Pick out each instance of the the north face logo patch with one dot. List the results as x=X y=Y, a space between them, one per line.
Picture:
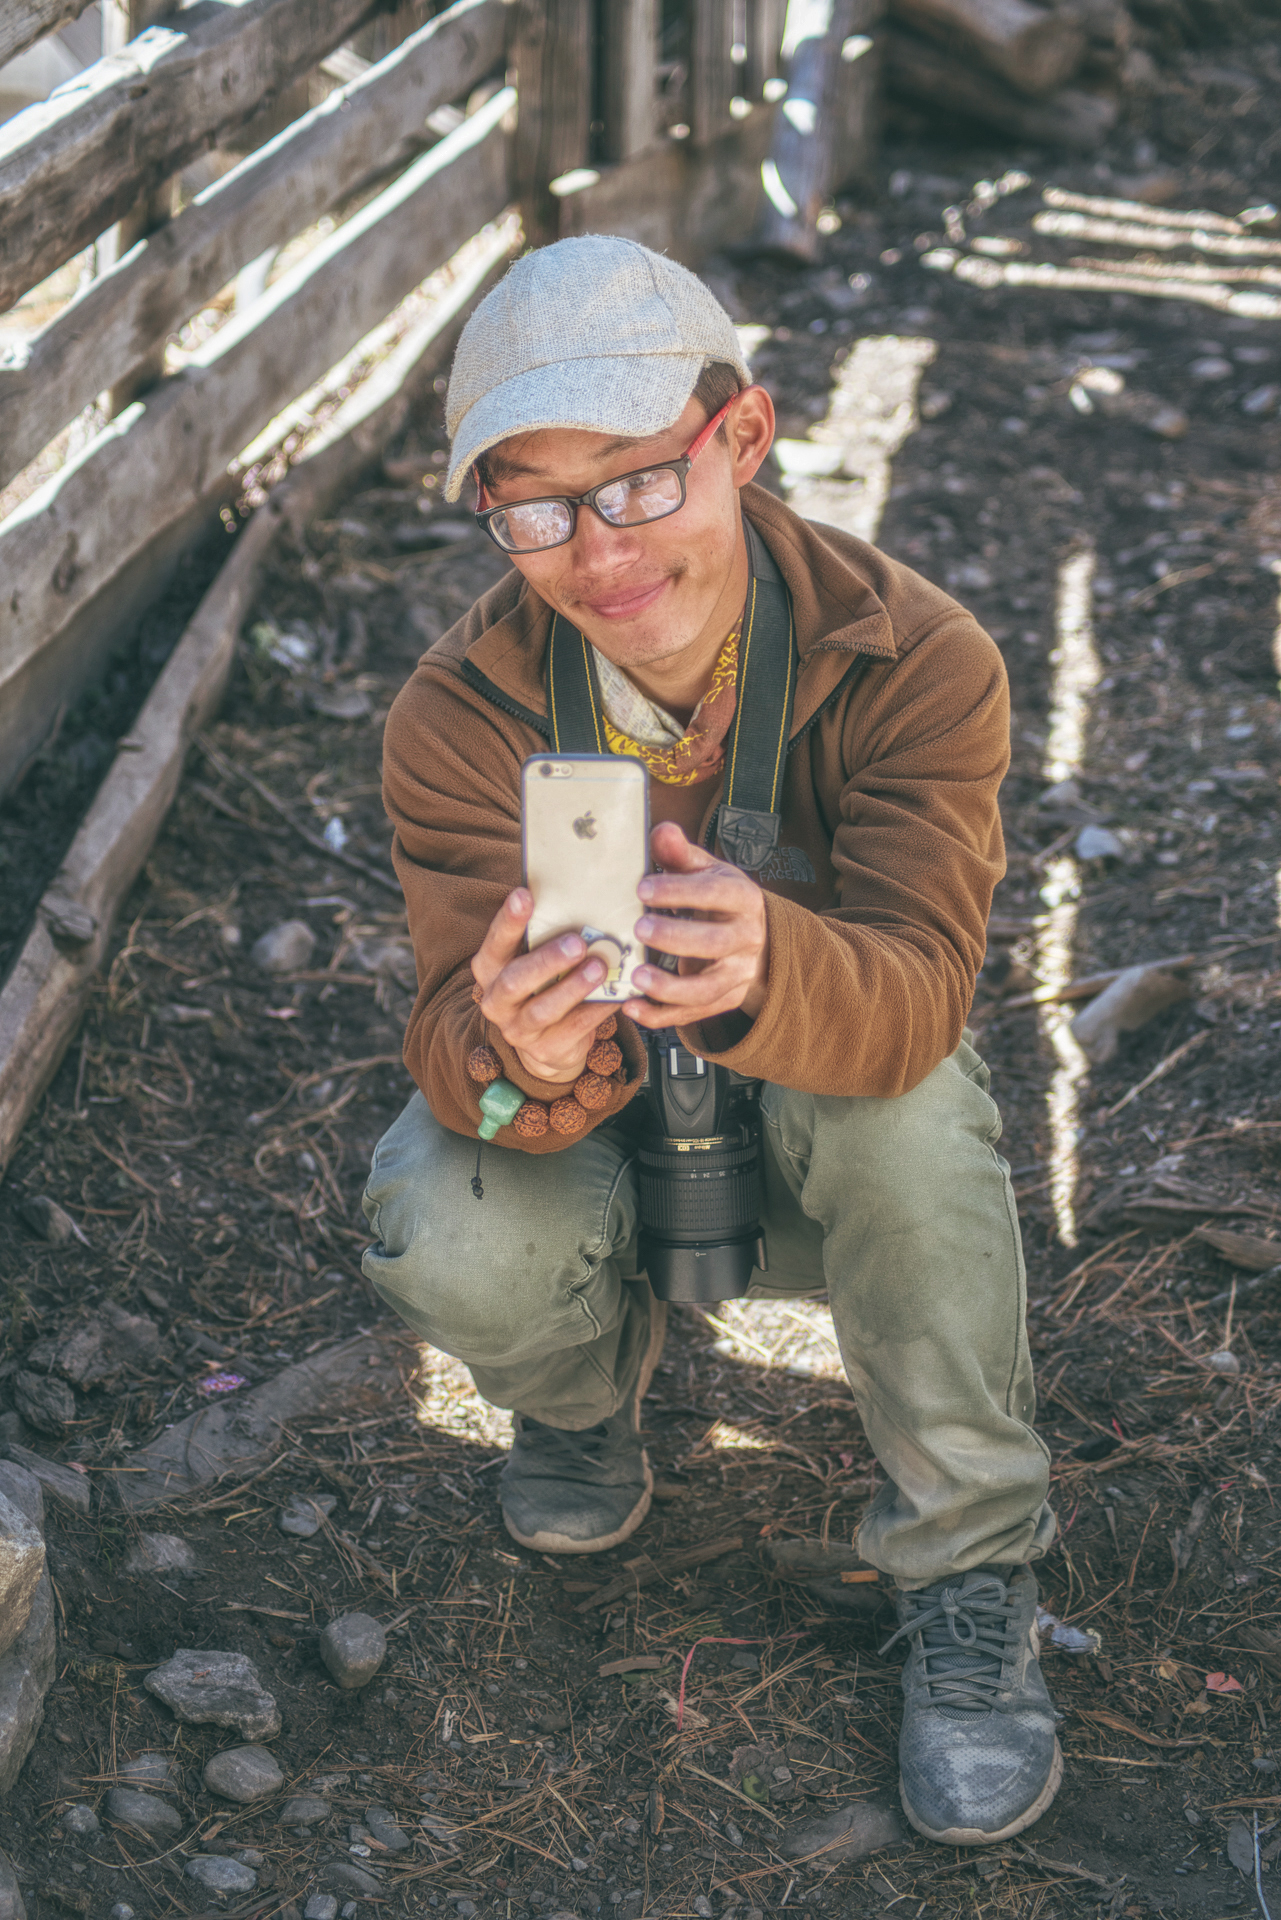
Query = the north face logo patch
x=788 y=863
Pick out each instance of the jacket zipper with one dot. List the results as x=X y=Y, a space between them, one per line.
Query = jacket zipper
x=482 y=684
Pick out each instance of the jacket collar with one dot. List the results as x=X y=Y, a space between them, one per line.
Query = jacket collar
x=837 y=612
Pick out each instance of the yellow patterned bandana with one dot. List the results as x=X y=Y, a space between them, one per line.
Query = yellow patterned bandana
x=675 y=755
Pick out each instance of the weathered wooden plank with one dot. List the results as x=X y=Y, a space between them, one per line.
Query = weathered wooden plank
x=123 y=21
x=41 y=1002
x=23 y=22
x=75 y=163
x=629 y=59
x=62 y=545
x=270 y=196
x=765 y=21
x=712 y=70
x=552 y=52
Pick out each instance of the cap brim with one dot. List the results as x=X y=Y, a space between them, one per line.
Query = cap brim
x=627 y=395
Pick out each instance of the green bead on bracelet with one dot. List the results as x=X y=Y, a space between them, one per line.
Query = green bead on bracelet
x=499 y=1104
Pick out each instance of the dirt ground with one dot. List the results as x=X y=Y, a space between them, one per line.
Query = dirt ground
x=210 y=1132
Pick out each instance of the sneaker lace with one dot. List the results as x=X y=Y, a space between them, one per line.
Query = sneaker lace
x=961 y=1633
x=557 y=1447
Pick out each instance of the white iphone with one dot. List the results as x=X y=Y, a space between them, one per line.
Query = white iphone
x=585 y=840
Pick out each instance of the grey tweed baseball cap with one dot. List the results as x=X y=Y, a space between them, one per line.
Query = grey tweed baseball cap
x=596 y=333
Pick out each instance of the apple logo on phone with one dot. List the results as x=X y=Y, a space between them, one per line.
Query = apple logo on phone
x=585 y=826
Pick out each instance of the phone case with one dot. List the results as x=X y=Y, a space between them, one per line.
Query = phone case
x=585 y=840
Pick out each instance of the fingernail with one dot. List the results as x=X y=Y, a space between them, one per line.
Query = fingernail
x=646 y=889
x=643 y=978
x=593 y=971
x=572 y=945
x=518 y=901
x=646 y=928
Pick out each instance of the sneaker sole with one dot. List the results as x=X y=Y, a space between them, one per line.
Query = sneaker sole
x=547 y=1542
x=977 y=1836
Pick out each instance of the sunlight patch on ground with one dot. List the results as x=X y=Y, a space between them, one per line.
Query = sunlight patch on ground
x=778 y=1336
x=444 y=1398
x=1076 y=674
x=871 y=412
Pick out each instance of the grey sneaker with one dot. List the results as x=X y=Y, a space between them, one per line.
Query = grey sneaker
x=979 y=1758
x=584 y=1491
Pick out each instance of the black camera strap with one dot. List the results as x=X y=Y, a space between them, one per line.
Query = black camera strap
x=756 y=749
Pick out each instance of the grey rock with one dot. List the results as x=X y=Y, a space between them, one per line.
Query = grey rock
x=121 y=1911
x=342 y=703
x=301 y=1518
x=353 y=1647
x=11 y=1902
x=321 y=1906
x=133 y=1808
x=162 y=1553
x=44 y=1403
x=101 y=1345
x=14 y=1431
x=845 y=1835
x=242 y=1433
x=357 y=1878
x=152 y=1768
x=69 y=1488
x=465 y=1909
x=52 y=1222
x=349 y=1910
x=1098 y=843
x=80 y=1820
x=21 y=1486
x=26 y=1674
x=211 y=1688
x=381 y=1822
x=21 y=1565
x=243 y=1773
x=303 y=1810
x=221 y=1875
x=250 y=1857
x=285 y=948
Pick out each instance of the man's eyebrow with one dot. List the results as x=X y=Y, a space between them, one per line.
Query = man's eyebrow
x=503 y=467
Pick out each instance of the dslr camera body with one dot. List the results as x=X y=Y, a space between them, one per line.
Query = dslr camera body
x=699 y=1164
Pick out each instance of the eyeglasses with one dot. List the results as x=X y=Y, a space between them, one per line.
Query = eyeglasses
x=633 y=499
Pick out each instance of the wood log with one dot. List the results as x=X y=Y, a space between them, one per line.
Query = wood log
x=62 y=545
x=1034 y=50
x=819 y=135
x=259 y=205
x=629 y=61
x=78 y=161
x=920 y=72
x=42 y=1000
x=23 y=22
x=551 y=50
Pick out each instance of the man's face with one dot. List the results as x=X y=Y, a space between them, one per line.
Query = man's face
x=643 y=593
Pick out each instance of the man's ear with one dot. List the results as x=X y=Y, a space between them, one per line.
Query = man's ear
x=750 y=430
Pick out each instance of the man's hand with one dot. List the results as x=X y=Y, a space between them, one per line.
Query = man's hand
x=723 y=950
x=536 y=1000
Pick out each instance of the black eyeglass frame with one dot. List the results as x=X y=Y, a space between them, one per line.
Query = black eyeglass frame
x=680 y=467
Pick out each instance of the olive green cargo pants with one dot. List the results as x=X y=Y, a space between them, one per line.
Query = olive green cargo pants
x=901 y=1210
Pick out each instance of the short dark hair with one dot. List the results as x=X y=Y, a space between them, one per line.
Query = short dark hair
x=715 y=385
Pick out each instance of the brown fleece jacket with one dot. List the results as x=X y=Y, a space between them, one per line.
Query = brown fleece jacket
x=877 y=896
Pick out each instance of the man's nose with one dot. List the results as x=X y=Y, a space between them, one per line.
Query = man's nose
x=599 y=544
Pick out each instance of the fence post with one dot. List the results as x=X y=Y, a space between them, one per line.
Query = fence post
x=630 y=60
x=764 y=39
x=819 y=134
x=712 y=70
x=552 y=51
x=123 y=21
